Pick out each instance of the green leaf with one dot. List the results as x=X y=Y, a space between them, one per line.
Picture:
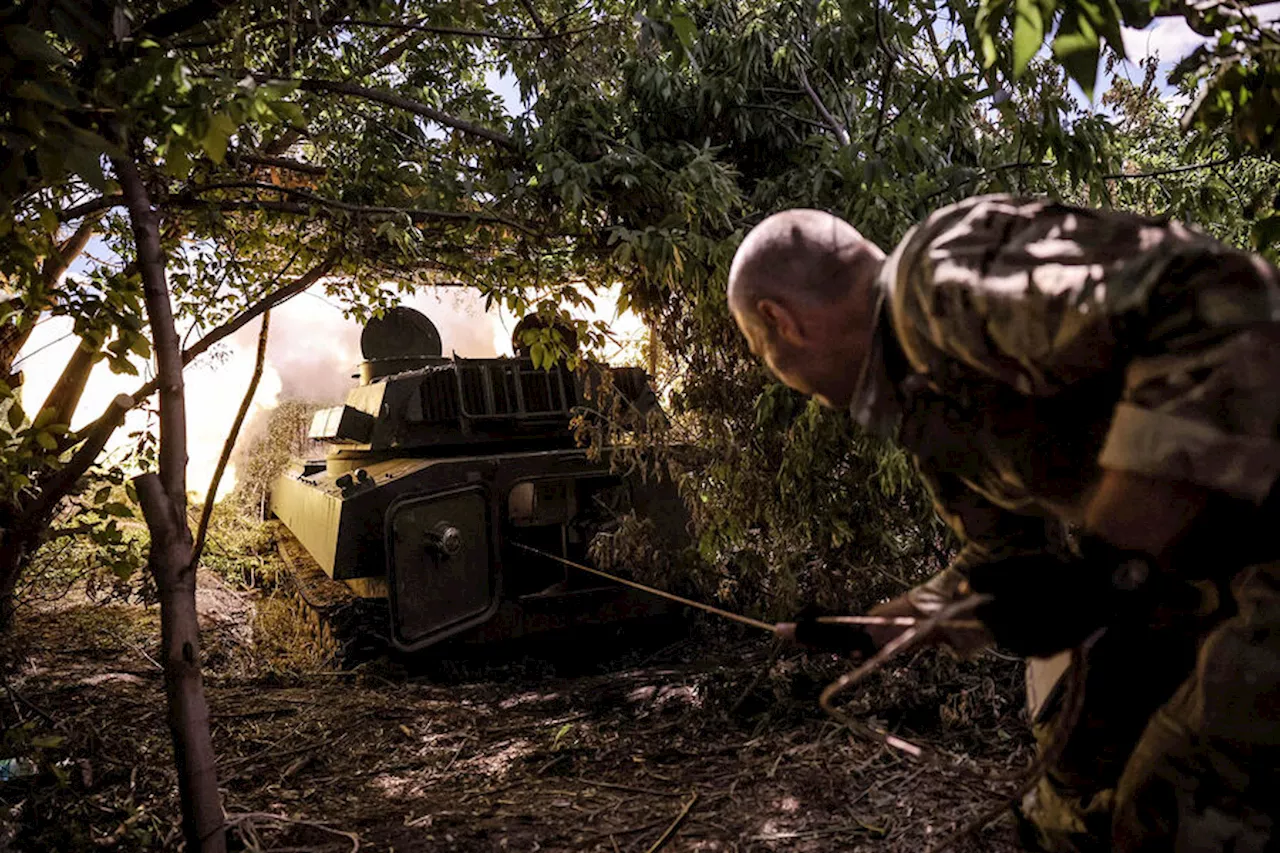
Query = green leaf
x=15 y=415
x=100 y=496
x=88 y=165
x=45 y=417
x=48 y=741
x=216 y=137
x=684 y=28
x=1077 y=47
x=46 y=441
x=118 y=509
x=1028 y=33
x=1266 y=232
x=141 y=346
x=49 y=93
x=289 y=112
x=26 y=43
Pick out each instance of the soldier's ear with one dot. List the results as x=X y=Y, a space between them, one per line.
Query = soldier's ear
x=780 y=320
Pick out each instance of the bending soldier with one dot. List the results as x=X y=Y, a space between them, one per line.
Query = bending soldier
x=1093 y=400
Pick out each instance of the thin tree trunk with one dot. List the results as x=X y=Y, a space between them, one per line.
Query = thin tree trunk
x=229 y=445
x=13 y=336
x=15 y=549
x=65 y=395
x=13 y=552
x=163 y=498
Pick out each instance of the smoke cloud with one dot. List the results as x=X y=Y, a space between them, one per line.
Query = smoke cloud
x=312 y=354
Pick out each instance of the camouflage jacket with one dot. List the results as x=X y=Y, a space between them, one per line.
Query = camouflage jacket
x=1025 y=345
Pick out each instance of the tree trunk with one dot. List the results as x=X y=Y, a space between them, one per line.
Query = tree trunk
x=163 y=498
x=65 y=395
x=53 y=486
x=13 y=551
x=13 y=336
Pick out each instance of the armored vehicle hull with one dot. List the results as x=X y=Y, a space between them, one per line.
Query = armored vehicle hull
x=438 y=472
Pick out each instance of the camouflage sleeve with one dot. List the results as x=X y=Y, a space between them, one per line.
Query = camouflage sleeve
x=1040 y=296
x=1201 y=401
x=986 y=532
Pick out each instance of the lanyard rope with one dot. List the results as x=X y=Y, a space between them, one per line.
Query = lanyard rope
x=900 y=621
x=707 y=608
x=917 y=631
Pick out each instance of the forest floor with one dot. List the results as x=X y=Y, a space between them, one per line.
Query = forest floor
x=703 y=744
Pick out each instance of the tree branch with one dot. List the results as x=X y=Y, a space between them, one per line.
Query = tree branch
x=275 y=298
x=1119 y=176
x=841 y=134
x=163 y=500
x=416 y=214
x=164 y=337
x=62 y=481
x=90 y=207
x=68 y=251
x=279 y=163
x=206 y=511
x=886 y=80
x=65 y=395
x=470 y=33
x=310 y=84
x=95 y=436
x=788 y=113
x=537 y=19
x=186 y=17
x=1174 y=170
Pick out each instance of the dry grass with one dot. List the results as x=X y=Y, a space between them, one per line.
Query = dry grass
x=518 y=756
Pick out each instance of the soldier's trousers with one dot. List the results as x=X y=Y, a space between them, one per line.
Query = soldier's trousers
x=1178 y=744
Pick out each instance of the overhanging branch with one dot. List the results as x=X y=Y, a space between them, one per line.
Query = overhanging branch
x=834 y=126
x=186 y=17
x=1174 y=170
x=310 y=204
x=1118 y=176
x=414 y=213
x=466 y=32
x=338 y=87
x=90 y=207
x=279 y=163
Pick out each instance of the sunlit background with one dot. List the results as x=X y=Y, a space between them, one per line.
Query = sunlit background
x=312 y=353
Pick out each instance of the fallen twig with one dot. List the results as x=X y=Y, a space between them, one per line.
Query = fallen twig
x=760 y=676
x=675 y=824
x=247 y=818
x=16 y=696
x=629 y=788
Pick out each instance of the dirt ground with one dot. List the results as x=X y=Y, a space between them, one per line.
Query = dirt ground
x=699 y=745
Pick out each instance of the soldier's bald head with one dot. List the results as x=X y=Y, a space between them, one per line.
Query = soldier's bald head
x=801 y=255
x=802 y=288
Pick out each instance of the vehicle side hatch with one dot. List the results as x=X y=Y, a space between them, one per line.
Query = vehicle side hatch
x=442 y=575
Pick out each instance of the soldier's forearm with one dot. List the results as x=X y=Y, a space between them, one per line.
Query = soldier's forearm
x=1139 y=513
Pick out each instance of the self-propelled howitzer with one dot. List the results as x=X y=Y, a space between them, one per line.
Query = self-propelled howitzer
x=438 y=469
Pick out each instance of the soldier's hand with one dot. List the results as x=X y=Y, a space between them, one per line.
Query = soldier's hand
x=863 y=641
x=1042 y=604
x=807 y=631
